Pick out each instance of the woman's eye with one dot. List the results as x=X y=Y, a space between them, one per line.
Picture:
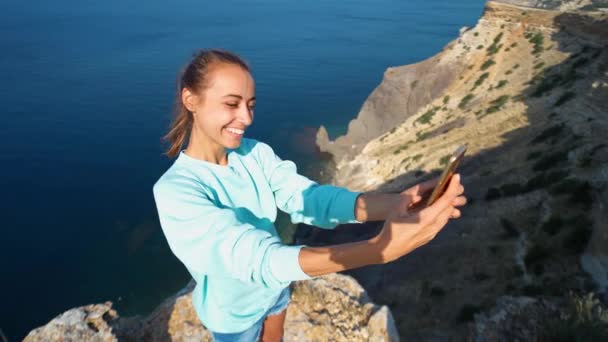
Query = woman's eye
x=232 y=105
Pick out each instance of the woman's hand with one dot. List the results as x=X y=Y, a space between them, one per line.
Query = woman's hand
x=405 y=230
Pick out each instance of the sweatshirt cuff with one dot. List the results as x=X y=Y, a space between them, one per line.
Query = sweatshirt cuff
x=345 y=206
x=285 y=264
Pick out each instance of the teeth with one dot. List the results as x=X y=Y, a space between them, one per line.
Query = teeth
x=235 y=131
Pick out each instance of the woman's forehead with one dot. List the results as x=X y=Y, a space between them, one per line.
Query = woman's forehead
x=231 y=79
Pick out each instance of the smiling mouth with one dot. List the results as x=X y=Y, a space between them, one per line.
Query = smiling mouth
x=235 y=132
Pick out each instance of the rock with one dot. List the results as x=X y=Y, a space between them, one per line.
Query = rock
x=86 y=323
x=514 y=319
x=332 y=307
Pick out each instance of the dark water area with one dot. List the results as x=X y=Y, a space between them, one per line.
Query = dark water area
x=87 y=90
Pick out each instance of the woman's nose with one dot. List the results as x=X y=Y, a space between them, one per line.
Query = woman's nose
x=245 y=116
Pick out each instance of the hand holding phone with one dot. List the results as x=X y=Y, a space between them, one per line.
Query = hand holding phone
x=431 y=196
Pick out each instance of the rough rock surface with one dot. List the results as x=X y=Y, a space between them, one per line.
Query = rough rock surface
x=328 y=308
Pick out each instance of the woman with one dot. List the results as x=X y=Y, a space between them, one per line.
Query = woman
x=218 y=201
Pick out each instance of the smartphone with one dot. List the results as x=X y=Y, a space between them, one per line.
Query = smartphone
x=430 y=197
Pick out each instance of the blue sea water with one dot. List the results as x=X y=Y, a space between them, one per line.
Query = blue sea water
x=86 y=93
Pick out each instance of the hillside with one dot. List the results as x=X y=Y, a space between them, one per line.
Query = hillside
x=527 y=89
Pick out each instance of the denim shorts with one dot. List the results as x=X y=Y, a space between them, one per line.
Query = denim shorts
x=253 y=333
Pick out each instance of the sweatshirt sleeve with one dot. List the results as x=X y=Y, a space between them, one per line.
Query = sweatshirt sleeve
x=306 y=201
x=211 y=240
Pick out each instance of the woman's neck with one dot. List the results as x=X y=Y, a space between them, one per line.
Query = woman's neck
x=207 y=150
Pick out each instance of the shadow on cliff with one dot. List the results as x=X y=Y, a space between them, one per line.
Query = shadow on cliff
x=551 y=122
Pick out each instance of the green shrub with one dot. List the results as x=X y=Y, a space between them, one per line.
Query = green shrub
x=533 y=155
x=550 y=160
x=492 y=194
x=465 y=100
x=509 y=230
x=479 y=47
x=480 y=80
x=508 y=72
x=539 y=65
x=514 y=45
x=547 y=84
x=467 y=312
x=414 y=84
x=501 y=84
x=422 y=135
x=444 y=160
x=512 y=189
x=495 y=47
x=537 y=40
x=437 y=291
x=545 y=179
x=567 y=96
x=553 y=225
x=535 y=254
x=487 y=64
x=446 y=99
x=576 y=241
x=497 y=103
x=417 y=158
x=428 y=116
x=551 y=132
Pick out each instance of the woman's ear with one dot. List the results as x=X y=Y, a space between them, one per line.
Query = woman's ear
x=189 y=99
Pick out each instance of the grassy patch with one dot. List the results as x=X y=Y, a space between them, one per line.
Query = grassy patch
x=537 y=40
x=553 y=225
x=501 y=84
x=551 y=132
x=509 y=230
x=533 y=155
x=497 y=103
x=480 y=80
x=422 y=135
x=495 y=47
x=576 y=241
x=535 y=254
x=487 y=64
x=467 y=312
x=567 y=96
x=545 y=179
x=492 y=194
x=444 y=160
x=550 y=160
x=465 y=100
x=512 y=189
x=428 y=116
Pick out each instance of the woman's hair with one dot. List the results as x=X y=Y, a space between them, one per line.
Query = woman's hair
x=195 y=77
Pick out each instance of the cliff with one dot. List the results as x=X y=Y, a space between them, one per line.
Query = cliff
x=329 y=308
x=527 y=89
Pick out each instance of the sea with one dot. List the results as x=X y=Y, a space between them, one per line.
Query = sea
x=86 y=93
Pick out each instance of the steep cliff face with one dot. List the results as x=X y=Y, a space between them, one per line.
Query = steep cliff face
x=527 y=89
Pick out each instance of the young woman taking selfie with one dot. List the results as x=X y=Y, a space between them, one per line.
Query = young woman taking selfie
x=218 y=201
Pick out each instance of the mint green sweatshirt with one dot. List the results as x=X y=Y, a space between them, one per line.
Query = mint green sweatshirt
x=219 y=222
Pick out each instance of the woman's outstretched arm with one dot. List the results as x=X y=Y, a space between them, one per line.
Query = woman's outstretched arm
x=402 y=233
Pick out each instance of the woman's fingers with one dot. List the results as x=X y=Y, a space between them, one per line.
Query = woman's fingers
x=455 y=214
x=459 y=201
x=454 y=189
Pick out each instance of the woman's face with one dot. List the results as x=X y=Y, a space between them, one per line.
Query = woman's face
x=225 y=109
